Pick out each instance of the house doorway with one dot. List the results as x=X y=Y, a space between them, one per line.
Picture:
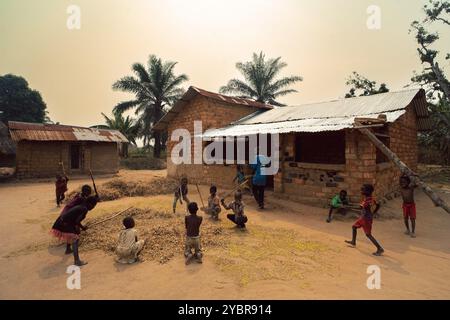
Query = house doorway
x=75 y=156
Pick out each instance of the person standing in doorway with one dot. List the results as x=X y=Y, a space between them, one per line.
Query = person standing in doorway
x=259 y=179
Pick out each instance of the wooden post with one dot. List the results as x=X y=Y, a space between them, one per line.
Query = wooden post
x=404 y=168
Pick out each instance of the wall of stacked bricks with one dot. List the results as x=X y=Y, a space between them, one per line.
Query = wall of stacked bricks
x=213 y=114
x=317 y=183
x=42 y=159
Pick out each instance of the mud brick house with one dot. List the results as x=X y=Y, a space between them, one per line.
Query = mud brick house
x=41 y=148
x=7 y=147
x=321 y=151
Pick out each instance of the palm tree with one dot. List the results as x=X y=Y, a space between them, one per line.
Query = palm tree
x=155 y=88
x=260 y=81
x=127 y=126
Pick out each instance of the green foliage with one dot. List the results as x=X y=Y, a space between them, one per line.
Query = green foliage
x=127 y=126
x=260 y=82
x=155 y=88
x=362 y=86
x=20 y=103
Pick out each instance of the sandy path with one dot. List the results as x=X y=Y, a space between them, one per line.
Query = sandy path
x=411 y=268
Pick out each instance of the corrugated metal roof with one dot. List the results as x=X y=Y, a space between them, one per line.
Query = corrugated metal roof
x=329 y=116
x=56 y=132
x=192 y=92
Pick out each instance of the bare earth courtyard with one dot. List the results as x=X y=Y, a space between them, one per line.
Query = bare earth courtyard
x=288 y=252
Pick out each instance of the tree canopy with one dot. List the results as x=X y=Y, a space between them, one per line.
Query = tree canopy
x=18 y=102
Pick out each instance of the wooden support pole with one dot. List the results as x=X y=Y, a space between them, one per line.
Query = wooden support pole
x=404 y=168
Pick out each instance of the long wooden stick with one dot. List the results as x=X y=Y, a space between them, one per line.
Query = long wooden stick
x=109 y=218
x=201 y=199
x=93 y=182
x=404 y=169
x=232 y=191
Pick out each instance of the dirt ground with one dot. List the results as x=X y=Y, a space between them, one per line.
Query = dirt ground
x=288 y=252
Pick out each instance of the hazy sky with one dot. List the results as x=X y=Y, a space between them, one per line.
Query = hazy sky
x=321 y=40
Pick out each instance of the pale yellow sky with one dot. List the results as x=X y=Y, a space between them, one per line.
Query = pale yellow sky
x=321 y=40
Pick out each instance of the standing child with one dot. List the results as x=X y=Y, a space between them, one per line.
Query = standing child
x=68 y=227
x=60 y=188
x=128 y=246
x=409 y=206
x=213 y=208
x=181 y=193
x=338 y=202
x=192 y=223
x=238 y=216
x=365 y=221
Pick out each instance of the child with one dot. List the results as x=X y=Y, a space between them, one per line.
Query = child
x=409 y=206
x=68 y=225
x=213 y=204
x=240 y=177
x=60 y=188
x=238 y=216
x=365 y=221
x=128 y=247
x=181 y=192
x=79 y=198
x=338 y=202
x=192 y=223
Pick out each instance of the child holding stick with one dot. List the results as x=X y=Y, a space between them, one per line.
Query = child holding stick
x=181 y=193
x=213 y=208
x=238 y=217
x=60 y=188
x=365 y=221
x=192 y=223
x=338 y=203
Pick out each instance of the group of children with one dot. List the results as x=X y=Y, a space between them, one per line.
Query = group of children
x=68 y=225
x=369 y=208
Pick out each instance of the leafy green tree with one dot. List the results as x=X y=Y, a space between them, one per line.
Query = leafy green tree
x=20 y=103
x=127 y=126
x=362 y=86
x=156 y=88
x=260 y=80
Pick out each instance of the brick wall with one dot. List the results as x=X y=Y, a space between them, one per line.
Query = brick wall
x=213 y=114
x=38 y=159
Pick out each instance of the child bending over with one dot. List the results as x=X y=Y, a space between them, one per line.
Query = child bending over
x=338 y=203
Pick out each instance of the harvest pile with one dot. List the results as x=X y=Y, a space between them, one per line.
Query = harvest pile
x=119 y=188
x=164 y=231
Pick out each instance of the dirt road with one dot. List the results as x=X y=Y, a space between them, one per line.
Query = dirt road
x=288 y=252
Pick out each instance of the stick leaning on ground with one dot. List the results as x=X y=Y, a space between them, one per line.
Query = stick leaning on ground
x=109 y=218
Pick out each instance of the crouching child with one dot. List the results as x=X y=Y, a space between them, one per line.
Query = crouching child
x=338 y=203
x=237 y=206
x=192 y=223
x=128 y=246
x=213 y=208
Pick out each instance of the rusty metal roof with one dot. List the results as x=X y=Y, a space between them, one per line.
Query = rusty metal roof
x=330 y=116
x=192 y=92
x=57 y=132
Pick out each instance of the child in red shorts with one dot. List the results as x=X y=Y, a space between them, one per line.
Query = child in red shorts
x=409 y=206
x=365 y=221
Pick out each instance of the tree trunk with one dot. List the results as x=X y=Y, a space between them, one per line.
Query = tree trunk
x=157 y=146
x=441 y=80
x=405 y=170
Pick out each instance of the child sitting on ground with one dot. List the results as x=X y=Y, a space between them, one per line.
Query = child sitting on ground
x=365 y=221
x=128 y=246
x=238 y=216
x=213 y=208
x=409 y=206
x=181 y=193
x=60 y=188
x=192 y=223
x=338 y=203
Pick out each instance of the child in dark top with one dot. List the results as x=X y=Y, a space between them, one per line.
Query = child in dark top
x=192 y=223
x=181 y=193
x=238 y=216
x=60 y=188
x=213 y=208
x=409 y=206
x=68 y=227
x=365 y=221
x=338 y=203
x=79 y=198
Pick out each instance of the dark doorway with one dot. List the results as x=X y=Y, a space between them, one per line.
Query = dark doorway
x=75 y=157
